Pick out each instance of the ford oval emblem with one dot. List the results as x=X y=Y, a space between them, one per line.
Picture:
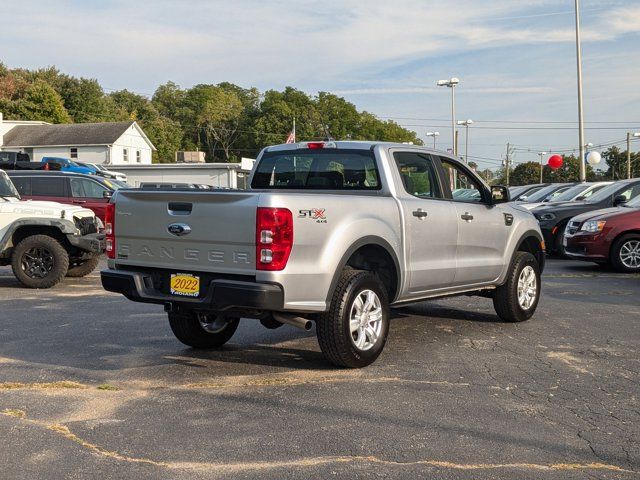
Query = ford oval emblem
x=179 y=229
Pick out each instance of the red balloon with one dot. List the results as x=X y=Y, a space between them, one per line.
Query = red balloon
x=555 y=162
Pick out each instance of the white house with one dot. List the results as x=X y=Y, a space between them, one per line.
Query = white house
x=110 y=143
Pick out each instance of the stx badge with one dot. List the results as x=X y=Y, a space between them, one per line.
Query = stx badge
x=317 y=214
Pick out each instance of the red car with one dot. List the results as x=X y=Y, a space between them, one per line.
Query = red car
x=90 y=191
x=611 y=235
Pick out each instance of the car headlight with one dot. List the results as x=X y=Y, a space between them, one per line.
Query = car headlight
x=546 y=217
x=593 y=226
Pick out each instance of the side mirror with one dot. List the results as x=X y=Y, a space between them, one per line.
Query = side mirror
x=499 y=194
x=619 y=200
x=107 y=194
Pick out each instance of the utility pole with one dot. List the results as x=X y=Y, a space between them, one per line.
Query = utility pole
x=506 y=162
x=583 y=171
x=628 y=154
x=541 y=167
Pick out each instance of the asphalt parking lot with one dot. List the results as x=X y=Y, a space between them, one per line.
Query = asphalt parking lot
x=95 y=386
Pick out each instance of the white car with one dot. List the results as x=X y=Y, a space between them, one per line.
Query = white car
x=105 y=172
x=581 y=191
x=46 y=241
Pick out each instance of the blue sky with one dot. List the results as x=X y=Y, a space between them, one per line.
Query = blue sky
x=515 y=59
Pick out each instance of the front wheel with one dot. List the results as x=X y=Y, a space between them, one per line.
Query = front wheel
x=517 y=299
x=625 y=253
x=39 y=261
x=202 y=330
x=354 y=331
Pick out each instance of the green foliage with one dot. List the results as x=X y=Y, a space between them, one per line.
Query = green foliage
x=224 y=120
x=616 y=160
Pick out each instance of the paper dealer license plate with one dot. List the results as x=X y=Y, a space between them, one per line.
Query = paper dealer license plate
x=185 y=284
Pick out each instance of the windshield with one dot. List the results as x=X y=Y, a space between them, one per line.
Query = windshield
x=543 y=193
x=605 y=193
x=6 y=187
x=321 y=169
x=634 y=203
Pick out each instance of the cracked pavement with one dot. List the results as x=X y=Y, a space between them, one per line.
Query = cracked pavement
x=95 y=386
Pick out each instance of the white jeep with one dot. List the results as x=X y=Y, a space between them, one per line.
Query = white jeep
x=46 y=241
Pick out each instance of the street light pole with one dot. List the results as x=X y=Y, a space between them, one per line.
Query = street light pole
x=451 y=83
x=434 y=135
x=466 y=124
x=583 y=171
x=542 y=154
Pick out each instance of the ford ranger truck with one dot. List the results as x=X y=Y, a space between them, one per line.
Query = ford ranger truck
x=46 y=241
x=331 y=233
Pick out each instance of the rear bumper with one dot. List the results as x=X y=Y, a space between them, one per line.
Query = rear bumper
x=220 y=295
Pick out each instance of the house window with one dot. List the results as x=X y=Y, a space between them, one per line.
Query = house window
x=74 y=152
x=125 y=154
x=138 y=156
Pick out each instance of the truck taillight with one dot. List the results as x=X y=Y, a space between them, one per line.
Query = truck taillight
x=274 y=238
x=109 y=230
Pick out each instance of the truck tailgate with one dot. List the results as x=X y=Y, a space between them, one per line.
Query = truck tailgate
x=187 y=231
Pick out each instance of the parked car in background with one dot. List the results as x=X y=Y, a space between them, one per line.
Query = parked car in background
x=517 y=192
x=104 y=171
x=46 y=241
x=610 y=236
x=580 y=191
x=67 y=165
x=553 y=218
x=545 y=194
x=89 y=191
x=10 y=160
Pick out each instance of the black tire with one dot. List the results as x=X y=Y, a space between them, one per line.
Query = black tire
x=505 y=297
x=628 y=240
x=83 y=268
x=187 y=328
x=558 y=247
x=333 y=327
x=46 y=272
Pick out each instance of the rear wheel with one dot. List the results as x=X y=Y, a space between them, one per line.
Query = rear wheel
x=517 y=299
x=83 y=268
x=39 y=261
x=625 y=253
x=354 y=330
x=202 y=330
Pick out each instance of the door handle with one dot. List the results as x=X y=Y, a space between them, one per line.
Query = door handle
x=421 y=214
x=79 y=202
x=466 y=216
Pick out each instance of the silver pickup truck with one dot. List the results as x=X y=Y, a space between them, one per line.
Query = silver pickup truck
x=334 y=233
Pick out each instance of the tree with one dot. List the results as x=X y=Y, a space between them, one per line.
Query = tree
x=41 y=102
x=84 y=100
x=473 y=166
x=525 y=174
x=616 y=160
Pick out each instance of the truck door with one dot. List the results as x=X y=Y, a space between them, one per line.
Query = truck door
x=429 y=222
x=482 y=229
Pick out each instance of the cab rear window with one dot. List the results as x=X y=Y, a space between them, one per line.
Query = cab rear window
x=317 y=170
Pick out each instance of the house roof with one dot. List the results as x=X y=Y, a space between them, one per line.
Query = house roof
x=68 y=134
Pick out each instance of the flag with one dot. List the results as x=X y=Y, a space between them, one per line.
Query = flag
x=291 y=138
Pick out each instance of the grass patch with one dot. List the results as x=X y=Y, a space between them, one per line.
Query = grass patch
x=106 y=386
x=41 y=386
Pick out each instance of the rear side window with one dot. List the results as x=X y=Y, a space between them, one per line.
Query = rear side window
x=418 y=174
x=329 y=169
x=22 y=184
x=47 y=186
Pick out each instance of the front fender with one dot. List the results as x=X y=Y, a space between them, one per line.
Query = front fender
x=65 y=226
